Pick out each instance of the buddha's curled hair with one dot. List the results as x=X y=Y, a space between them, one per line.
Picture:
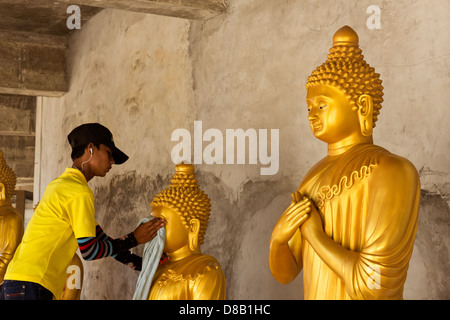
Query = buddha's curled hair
x=347 y=70
x=185 y=197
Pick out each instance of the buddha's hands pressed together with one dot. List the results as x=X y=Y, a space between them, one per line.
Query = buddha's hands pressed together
x=291 y=219
x=147 y=231
x=313 y=223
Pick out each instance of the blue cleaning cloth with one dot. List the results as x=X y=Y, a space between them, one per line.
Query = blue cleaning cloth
x=150 y=261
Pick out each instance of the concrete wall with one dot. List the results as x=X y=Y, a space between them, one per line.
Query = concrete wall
x=145 y=76
x=132 y=73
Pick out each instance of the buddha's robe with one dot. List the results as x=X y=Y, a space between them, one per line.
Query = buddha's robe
x=197 y=277
x=11 y=231
x=368 y=199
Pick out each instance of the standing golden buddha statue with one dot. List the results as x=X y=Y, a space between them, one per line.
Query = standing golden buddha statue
x=187 y=274
x=352 y=223
x=11 y=222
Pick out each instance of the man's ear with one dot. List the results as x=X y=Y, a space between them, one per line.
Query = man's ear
x=365 y=114
x=2 y=192
x=89 y=149
x=194 y=229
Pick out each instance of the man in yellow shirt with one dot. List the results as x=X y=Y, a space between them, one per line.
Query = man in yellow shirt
x=65 y=220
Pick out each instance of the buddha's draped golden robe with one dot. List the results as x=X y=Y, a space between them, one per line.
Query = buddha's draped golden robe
x=197 y=277
x=368 y=199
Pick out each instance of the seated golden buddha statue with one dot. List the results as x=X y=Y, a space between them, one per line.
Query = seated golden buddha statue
x=187 y=274
x=11 y=222
x=352 y=222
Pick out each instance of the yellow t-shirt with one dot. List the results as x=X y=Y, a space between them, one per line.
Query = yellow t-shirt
x=65 y=213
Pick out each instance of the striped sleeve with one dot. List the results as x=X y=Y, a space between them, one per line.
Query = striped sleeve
x=101 y=246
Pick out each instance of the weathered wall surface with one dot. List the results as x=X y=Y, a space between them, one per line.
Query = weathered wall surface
x=267 y=50
x=144 y=76
x=132 y=73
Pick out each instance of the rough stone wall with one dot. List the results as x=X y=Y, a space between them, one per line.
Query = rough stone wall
x=144 y=76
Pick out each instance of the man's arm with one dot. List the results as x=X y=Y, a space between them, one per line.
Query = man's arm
x=101 y=246
x=129 y=259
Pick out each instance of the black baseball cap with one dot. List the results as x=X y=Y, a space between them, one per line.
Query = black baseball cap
x=98 y=134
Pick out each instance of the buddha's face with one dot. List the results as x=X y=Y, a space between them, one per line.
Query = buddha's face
x=176 y=233
x=330 y=114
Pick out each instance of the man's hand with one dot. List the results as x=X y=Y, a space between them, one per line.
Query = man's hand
x=147 y=231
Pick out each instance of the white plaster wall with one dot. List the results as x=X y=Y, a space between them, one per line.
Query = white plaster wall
x=144 y=76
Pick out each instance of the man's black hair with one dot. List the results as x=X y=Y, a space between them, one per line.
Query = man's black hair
x=78 y=152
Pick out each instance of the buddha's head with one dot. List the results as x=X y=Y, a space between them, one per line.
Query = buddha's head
x=186 y=209
x=344 y=93
x=7 y=180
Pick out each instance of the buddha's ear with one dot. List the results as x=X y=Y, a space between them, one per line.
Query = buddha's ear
x=194 y=229
x=2 y=192
x=365 y=114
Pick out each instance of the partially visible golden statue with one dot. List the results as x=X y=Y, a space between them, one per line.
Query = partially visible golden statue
x=351 y=225
x=187 y=274
x=11 y=222
x=74 y=280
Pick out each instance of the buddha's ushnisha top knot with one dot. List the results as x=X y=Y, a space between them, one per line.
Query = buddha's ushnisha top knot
x=184 y=176
x=346 y=36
